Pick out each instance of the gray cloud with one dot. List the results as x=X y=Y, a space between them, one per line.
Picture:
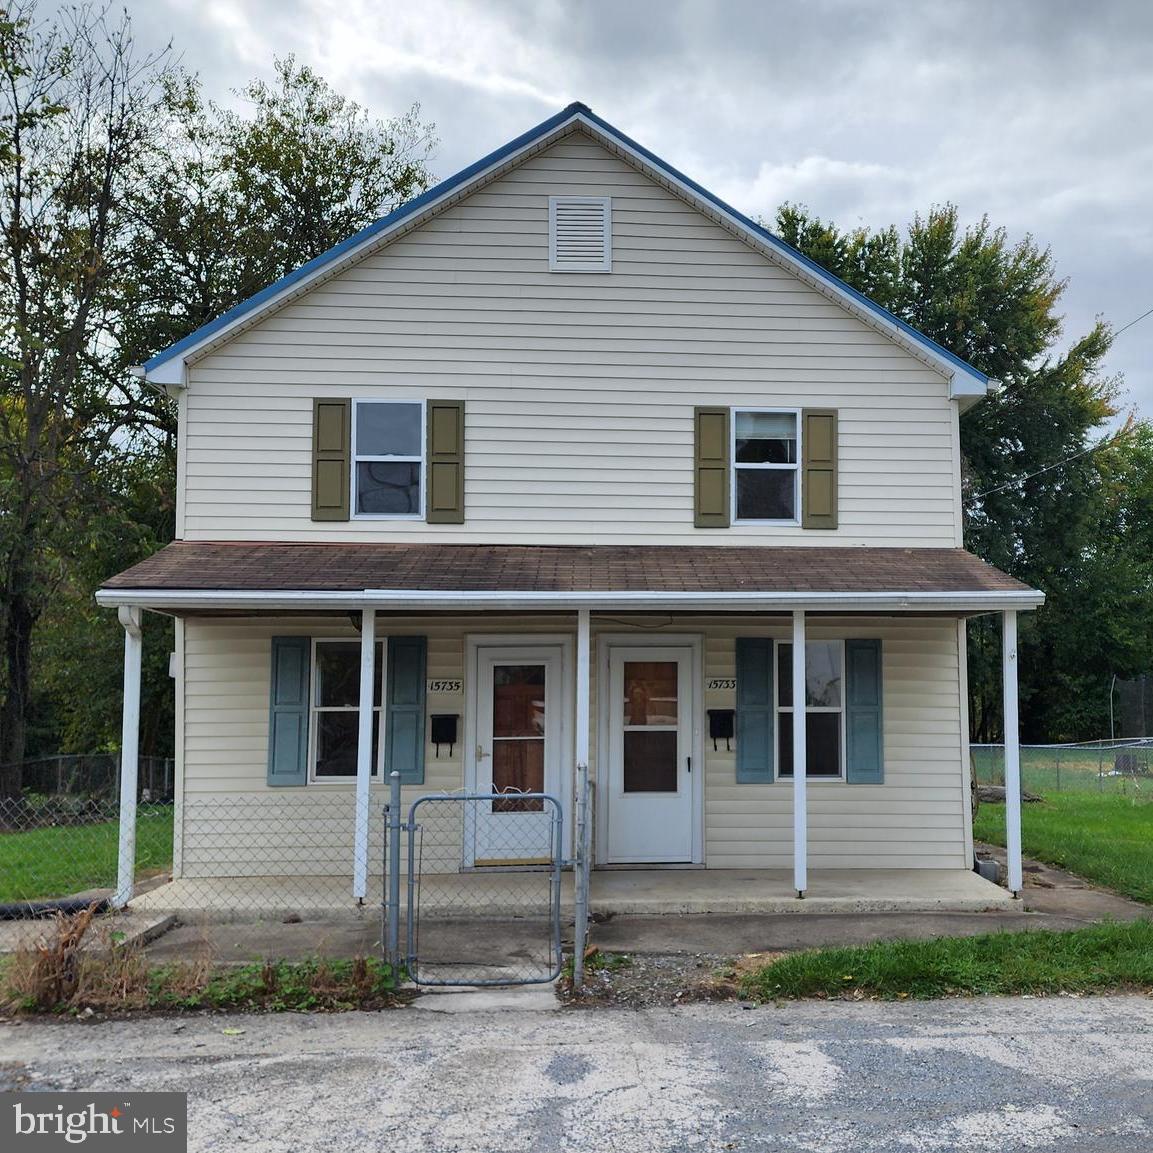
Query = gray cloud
x=1037 y=112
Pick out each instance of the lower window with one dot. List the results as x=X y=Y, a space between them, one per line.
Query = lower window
x=336 y=709
x=824 y=709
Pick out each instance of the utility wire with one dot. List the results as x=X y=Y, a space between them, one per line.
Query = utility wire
x=1132 y=322
x=1049 y=467
x=1077 y=455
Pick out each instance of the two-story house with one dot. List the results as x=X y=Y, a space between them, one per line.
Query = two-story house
x=573 y=457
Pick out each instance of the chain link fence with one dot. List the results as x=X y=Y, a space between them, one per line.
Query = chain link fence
x=484 y=889
x=1119 y=767
x=56 y=847
x=93 y=775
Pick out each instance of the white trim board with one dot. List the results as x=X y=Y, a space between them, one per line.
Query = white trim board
x=609 y=600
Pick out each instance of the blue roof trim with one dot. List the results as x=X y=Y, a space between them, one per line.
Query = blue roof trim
x=788 y=249
x=253 y=303
x=337 y=251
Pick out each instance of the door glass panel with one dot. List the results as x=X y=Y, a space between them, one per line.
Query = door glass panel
x=518 y=767
x=518 y=700
x=650 y=693
x=518 y=731
x=650 y=761
x=650 y=738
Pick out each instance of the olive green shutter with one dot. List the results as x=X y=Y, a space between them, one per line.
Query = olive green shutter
x=819 y=468
x=288 y=711
x=754 y=710
x=331 y=457
x=404 y=706
x=444 y=501
x=711 y=468
x=864 y=728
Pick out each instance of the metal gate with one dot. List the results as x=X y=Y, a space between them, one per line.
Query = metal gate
x=481 y=878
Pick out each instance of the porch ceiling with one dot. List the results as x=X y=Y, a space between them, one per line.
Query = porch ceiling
x=236 y=575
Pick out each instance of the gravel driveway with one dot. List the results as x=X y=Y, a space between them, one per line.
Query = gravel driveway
x=1006 y=1075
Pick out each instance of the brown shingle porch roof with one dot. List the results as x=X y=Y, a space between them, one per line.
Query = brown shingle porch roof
x=485 y=568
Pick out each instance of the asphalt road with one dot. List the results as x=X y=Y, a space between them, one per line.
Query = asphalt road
x=977 y=1075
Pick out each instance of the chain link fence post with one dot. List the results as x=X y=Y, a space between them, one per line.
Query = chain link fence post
x=581 y=879
x=392 y=871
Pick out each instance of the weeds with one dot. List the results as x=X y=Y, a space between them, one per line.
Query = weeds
x=69 y=971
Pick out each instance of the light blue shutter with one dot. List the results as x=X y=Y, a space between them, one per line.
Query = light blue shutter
x=754 y=710
x=863 y=695
x=404 y=701
x=288 y=711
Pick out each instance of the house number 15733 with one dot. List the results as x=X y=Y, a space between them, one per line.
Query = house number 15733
x=721 y=684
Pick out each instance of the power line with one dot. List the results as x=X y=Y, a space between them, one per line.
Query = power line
x=1049 y=467
x=1132 y=322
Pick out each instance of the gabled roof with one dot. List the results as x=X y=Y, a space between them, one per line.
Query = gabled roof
x=167 y=367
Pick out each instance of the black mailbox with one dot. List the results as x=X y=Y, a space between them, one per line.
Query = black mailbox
x=444 y=730
x=722 y=726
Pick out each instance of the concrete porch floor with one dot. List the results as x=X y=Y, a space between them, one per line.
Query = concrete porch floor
x=613 y=892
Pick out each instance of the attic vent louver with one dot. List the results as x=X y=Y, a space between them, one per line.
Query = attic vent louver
x=580 y=234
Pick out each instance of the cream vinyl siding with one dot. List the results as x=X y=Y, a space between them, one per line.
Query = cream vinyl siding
x=231 y=823
x=579 y=388
x=915 y=819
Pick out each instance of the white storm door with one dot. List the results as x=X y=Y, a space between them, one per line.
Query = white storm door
x=519 y=731
x=650 y=745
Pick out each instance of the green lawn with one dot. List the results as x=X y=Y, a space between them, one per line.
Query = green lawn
x=1107 y=839
x=59 y=861
x=1098 y=959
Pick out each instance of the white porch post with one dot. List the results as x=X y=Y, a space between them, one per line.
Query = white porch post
x=583 y=843
x=131 y=619
x=583 y=718
x=800 y=760
x=364 y=752
x=1012 y=750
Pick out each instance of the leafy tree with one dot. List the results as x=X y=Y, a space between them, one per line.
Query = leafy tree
x=243 y=198
x=993 y=303
x=77 y=106
x=222 y=204
x=78 y=646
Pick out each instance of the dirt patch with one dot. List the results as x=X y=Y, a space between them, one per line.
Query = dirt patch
x=642 y=981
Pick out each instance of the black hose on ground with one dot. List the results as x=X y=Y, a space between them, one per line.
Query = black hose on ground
x=30 y=910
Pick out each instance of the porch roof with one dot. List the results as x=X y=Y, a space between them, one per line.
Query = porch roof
x=212 y=575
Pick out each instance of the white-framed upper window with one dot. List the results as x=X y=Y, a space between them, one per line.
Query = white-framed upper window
x=334 y=723
x=766 y=454
x=388 y=439
x=824 y=709
x=580 y=234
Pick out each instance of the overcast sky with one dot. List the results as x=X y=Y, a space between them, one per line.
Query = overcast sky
x=1037 y=112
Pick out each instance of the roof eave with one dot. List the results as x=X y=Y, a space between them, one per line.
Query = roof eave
x=971 y=601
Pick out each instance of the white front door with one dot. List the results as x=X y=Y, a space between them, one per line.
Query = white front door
x=651 y=710
x=519 y=730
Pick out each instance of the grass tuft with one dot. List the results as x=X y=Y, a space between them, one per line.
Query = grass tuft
x=1097 y=959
